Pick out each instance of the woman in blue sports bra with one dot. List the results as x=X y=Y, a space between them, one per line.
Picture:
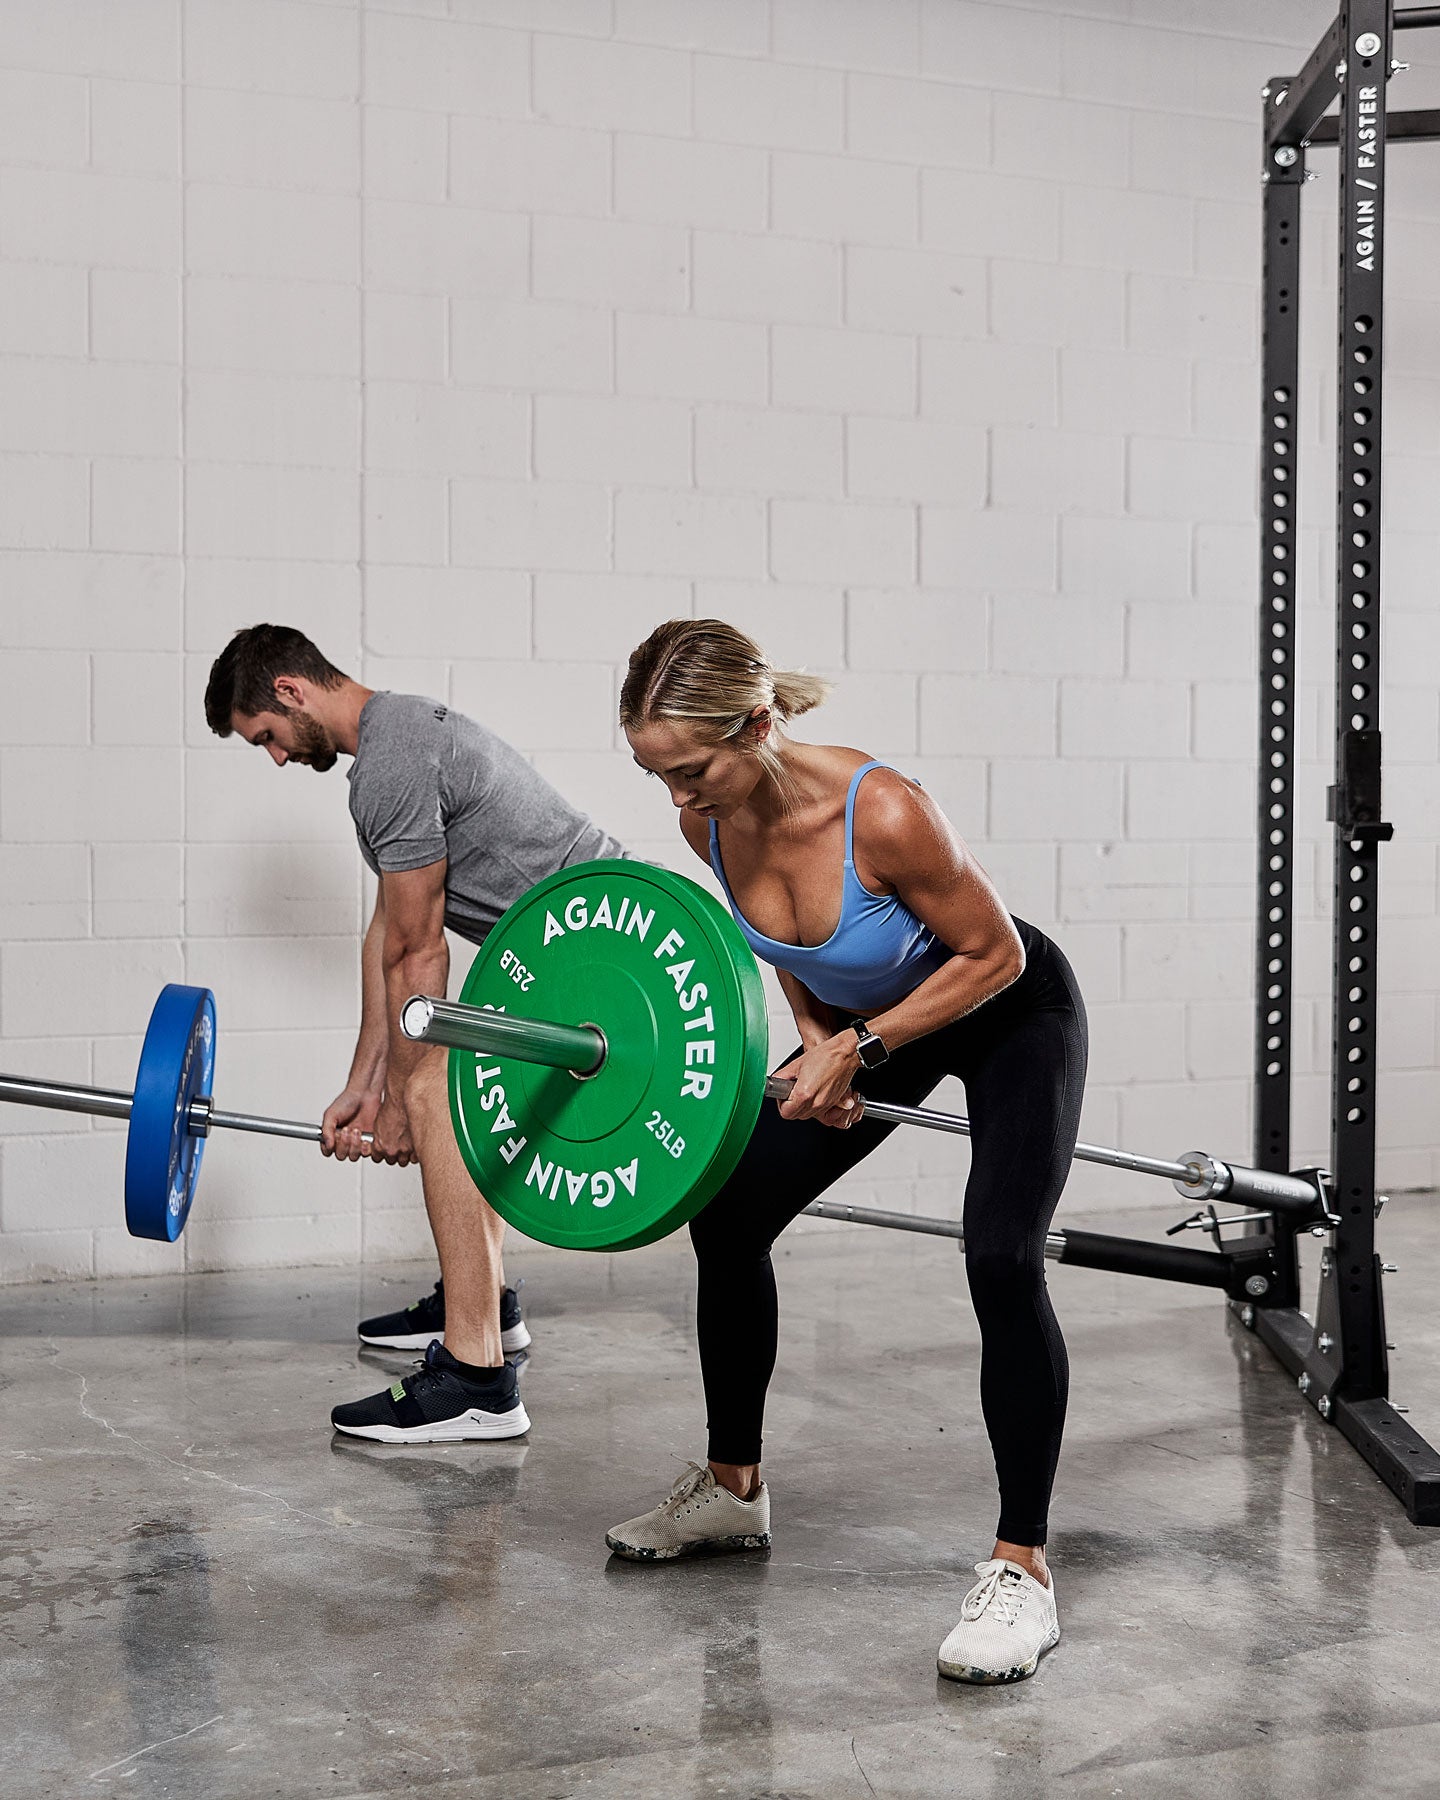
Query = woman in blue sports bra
x=901 y=966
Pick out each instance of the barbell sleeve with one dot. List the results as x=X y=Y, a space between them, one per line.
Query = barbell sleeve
x=579 y=1048
x=62 y=1096
x=114 y=1103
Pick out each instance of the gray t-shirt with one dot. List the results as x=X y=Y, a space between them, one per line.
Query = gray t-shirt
x=428 y=783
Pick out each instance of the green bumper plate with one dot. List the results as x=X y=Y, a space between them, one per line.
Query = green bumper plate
x=632 y=1153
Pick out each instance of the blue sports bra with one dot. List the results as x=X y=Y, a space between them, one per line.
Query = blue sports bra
x=877 y=954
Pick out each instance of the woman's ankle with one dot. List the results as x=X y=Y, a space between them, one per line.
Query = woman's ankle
x=740 y=1479
x=1030 y=1557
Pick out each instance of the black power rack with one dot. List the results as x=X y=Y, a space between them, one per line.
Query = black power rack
x=1339 y=1359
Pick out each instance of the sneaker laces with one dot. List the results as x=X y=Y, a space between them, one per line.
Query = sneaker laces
x=430 y=1371
x=1000 y=1590
x=686 y=1483
x=427 y=1373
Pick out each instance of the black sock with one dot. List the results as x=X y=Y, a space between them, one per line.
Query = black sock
x=474 y=1372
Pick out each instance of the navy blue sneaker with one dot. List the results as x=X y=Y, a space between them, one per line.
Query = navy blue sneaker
x=438 y=1405
x=420 y=1323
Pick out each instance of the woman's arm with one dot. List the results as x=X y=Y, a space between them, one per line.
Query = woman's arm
x=909 y=845
x=904 y=843
x=814 y=1020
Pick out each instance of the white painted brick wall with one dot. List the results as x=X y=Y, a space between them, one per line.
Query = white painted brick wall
x=918 y=337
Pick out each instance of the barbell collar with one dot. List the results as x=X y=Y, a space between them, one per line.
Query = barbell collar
x=579 y=1048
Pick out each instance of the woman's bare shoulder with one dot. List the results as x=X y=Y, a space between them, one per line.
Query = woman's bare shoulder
x=896 y=819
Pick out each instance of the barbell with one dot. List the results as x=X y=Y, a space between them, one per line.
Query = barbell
x=605 y=1112
x=170 y=1111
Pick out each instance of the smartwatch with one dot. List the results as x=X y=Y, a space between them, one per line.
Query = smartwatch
x=871 y=1049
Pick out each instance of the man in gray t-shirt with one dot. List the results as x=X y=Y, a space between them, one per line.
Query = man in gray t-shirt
x=430 y=786
x=456 y=825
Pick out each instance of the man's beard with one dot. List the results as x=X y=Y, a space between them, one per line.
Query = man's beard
x=314 y=745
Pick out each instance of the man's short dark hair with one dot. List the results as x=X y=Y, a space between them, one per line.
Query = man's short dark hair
x=242 y=677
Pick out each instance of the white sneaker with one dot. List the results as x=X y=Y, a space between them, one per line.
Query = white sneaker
x=1007 y=1623
x=698 y=1515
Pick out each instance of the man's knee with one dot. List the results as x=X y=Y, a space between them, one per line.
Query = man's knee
x=428 y=1078
x=427 y=1100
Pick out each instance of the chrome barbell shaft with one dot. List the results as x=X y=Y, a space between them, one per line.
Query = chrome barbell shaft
x=1202 y=1178
x=926 y=1227
x=890 y=1113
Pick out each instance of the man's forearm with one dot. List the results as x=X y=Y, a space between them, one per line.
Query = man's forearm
x=424 y=971
x=367 y=1067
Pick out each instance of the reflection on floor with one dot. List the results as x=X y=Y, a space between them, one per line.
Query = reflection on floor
x=206 y=1595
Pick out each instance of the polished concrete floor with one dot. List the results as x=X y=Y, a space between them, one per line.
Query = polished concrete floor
x=206 y=1595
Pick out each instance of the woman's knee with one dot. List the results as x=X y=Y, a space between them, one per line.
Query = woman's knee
x=1008 y=1269
x=722 y=1236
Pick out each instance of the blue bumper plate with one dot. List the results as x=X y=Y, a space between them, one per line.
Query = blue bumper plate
x=162 y=1156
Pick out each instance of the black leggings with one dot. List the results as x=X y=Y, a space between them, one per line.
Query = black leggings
x=1022 y=1059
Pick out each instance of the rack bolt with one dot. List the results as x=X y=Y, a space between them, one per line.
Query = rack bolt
x=1247 y=1317
x=1389 y=1268
x=1340 y=69
x=1388 y=1344
x=1256 y=1285
x=1304 y=1383
x=1367 y=43
x=1381 y=1201
x=1325 y=1341
x=1287 y=156
x=1323 y=1406
x=1325 y=1263
x=1318 y=1230
x=1397 y=68
x=1398 y=1407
